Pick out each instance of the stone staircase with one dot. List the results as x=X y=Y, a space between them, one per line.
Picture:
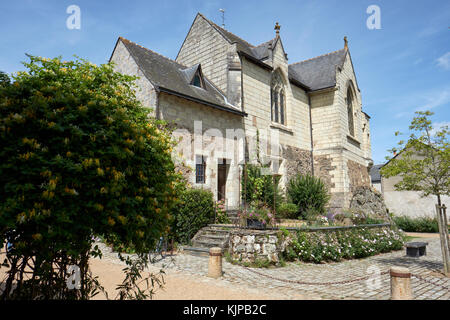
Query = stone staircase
x=233 y=216
x=213 y=235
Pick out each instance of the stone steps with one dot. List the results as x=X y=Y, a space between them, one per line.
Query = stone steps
x=233 y=215
x=208 y=237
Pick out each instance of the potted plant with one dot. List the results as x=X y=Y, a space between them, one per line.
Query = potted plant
x=258 y=217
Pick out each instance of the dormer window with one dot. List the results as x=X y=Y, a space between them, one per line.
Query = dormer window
x=197 y=80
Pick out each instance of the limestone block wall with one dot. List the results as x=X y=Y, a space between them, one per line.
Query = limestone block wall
x=204 y=45
x=345 y=158
x=326 y=120
x=294 y=138
x=124 y=63
x=203 y=130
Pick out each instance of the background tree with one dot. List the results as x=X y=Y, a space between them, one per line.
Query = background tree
x=4 y=79
x=79 y=158
x=424 y=160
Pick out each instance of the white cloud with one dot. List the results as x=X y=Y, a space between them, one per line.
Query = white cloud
x=438 y=125
x=436 y=100
x=444 y=61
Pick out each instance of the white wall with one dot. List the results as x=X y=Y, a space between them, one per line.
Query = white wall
x=409 y=203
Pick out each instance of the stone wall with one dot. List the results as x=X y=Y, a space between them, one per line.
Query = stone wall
x=205 y=45
x=124 y=63
x=358 y=175
x=203 y=130
x=248 y=245
x=369 y=202
x=296 y=161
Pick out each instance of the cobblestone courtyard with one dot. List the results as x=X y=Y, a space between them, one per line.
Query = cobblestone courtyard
x=431 y=284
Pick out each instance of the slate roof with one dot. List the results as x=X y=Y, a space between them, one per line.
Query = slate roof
x=312 y=74
x=375 y=173
x=171 y=77
x=320 y=72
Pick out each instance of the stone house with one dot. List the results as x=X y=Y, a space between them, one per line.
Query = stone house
x=404 y=203
x=233 y=102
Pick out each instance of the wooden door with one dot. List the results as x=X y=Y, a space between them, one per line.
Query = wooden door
x=221 y=181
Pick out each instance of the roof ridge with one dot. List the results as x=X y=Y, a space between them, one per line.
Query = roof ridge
x=222 y=29
x=259 y=45
x=171 y=60
x=322 y=55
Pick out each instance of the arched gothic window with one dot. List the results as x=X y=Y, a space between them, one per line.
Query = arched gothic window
x=351 y=128
x=278 y=99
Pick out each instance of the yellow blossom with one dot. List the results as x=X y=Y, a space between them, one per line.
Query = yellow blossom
x=100 y=171
x=37 y=236
x=111 y=221
x=122 y=219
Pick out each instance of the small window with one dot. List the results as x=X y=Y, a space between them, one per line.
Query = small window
x=282 y=107
x=197 y=81
x=351 y=127
x=200 y=169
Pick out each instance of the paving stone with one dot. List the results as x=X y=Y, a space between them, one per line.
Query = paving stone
x=277 y=279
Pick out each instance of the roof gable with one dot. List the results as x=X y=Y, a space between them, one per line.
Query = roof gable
x=312 y=74
x=172 y=77
x=319 y=72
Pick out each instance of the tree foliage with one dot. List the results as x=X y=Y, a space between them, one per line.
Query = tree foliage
x=4 y=79
x=79 y=158
x=423 y=161
x=259 y=187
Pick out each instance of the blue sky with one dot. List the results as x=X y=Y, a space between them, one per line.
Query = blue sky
x=401 y=68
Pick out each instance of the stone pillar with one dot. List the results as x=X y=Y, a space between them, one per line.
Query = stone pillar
x=215 y=262
x=400 y=283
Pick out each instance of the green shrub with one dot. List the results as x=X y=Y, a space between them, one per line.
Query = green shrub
x=370 y=220
x=320 y=247
x=420 y=224
x=308 y=192
x=194 y=211
x=287 y=210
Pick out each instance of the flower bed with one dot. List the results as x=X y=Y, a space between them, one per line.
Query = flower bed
x=339 y=244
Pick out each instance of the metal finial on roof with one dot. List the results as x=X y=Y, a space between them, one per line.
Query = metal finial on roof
x=277 y=28
x=345 y=43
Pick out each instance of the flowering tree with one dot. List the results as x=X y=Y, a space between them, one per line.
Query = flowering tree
x=79 y=158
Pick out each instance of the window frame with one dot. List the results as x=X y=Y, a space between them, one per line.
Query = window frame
x=200 y=169
x=277 y=99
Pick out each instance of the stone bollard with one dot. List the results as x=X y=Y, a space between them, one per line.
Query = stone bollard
x=400 y=283
x=215 y=262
